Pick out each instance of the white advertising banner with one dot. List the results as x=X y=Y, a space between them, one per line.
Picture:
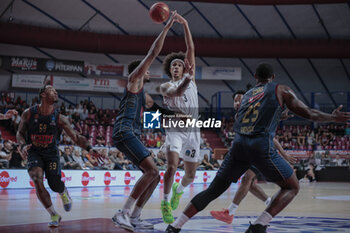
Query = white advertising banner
x=221 y=73
x=80 y=84
x=14 y=178
x=28 y=81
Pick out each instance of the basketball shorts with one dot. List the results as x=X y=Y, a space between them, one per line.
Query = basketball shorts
x=132 y=147
x=258 y=151
x=185 y=143
x=49 y=161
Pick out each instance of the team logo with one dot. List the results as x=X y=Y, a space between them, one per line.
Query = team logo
x=205 y=177
x=53 y=121
x=128 y=178
x=177 y=177
x=5 y=179
x=85 y=178
x=50 y=65
x=151 y=120
x=188 y=153
x=161 y=177
x=108 y=178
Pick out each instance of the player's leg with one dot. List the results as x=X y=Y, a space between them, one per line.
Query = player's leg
x=36 y=173
x=190 y=155
x=256 y=190
x=275 y=169
x=231 y=169
x=53 y=176
x=149 y=167
x=133 y=148
x=177 y=188
x=226 y=215
x=172 y=163
x=174 y=146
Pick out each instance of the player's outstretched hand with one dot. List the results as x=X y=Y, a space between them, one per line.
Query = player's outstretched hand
x=25 y=150
x=285 y=115
x=171 y=20
x=10 y=113
x=181 y=19
x=189 y=68
x=341 y=117
x=292 y=160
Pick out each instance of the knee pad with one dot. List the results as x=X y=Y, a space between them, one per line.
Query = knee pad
x=55 y=183
x=215 y=189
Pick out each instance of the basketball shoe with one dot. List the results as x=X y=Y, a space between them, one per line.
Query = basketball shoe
x=171 y=229
x=257 y=228
x=175 y=197
x=223 y=216
x=55 y=220
x=167 y=214
x=122 y=220
x=140 y=224
x=67 y=201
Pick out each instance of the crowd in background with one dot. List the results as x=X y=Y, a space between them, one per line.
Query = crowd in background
x=97 y=124
x=301 y=137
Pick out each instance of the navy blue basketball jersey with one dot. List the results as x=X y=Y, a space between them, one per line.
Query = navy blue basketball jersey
x=43 y=131
x=260 y=111
x=129 y=116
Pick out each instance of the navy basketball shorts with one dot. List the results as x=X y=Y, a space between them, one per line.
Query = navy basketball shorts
x=258 y=151
x=49 y=161
x=132 y=147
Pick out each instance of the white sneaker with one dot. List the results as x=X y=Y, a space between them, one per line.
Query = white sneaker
x=139 y=223
x=122 y=220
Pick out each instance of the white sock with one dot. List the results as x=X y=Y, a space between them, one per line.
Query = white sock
x=268 y=200
x=180 y=221
x=232 y=209
x=180 y=188
x=128 y=204
x=137 y=212
x=51 y=210
x=166 y=197
x=263 y=219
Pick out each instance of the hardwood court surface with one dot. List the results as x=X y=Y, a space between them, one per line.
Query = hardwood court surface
x=319 y=207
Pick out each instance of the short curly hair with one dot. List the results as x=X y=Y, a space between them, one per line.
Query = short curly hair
x=169 y=58
x=133 y=65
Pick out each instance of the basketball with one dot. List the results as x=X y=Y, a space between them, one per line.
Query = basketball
x=159 y=12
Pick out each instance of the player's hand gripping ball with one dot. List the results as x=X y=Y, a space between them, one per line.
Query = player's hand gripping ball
x=159 y=12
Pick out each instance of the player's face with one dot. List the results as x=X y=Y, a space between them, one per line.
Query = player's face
x=237 y=101
x=176 y=69
x=51 y=94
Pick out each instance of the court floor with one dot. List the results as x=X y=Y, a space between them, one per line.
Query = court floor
x=319 y=207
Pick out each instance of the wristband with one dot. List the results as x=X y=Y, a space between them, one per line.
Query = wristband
x=188 y=76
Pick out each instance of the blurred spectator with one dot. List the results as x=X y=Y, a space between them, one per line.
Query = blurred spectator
x=207 y=165
x=5 y=154
x=17 y=160
x=68 y=161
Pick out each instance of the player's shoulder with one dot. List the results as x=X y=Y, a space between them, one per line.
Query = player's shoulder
x=27 y=113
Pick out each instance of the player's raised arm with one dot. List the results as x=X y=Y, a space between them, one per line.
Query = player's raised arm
x=190 y=56
x=8 y=114
x=153 y=52
x=299 y=108
x=22 y=132
x=170 y=91
x=74 y=135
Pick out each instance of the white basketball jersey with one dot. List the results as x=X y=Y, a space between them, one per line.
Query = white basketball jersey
x=187 y=103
